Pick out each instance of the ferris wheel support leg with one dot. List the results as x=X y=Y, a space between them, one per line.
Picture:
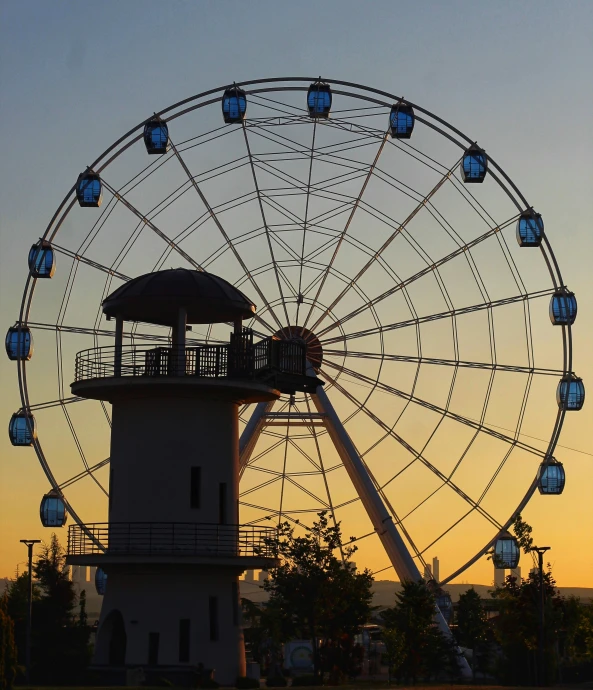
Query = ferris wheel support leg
x=251 y=433
x=394 y=545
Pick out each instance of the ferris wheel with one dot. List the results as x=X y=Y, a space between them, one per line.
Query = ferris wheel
x=393 y=245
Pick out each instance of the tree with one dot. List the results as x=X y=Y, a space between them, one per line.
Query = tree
x=395 y=646
x=59 y=638
x=472 y=625
x=61 y=642
x=265 y=633
x=517 y=627
x=17 y=593
x=427 y=651
x=317 y=595
x=8 y=653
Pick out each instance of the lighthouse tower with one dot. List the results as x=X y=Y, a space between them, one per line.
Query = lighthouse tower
x=173 y=549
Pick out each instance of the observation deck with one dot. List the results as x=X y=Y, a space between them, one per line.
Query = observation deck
x=188 y=543
x=261 y=370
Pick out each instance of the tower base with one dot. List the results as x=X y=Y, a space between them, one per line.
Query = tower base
x=181 y=631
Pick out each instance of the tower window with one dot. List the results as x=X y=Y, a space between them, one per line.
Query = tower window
x=184 y=627
x=153 y=649
x=195 y=486
x=213 y=617
x=222 y=501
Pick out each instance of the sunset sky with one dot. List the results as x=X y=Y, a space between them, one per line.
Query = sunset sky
x=515 y=76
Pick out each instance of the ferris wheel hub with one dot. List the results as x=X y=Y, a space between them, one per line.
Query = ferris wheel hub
x=300 y=334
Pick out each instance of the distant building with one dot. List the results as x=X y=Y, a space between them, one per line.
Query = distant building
x=516 y=572
x=436 y=569
x=499 y=576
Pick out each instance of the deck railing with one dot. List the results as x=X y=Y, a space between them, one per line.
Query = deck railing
x=236 y=359
x=170 y=539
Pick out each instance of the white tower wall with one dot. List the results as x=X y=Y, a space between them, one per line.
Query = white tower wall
x=140 y=593
x=155 y=443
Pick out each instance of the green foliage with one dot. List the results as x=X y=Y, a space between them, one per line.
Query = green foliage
x=427 y=651
x=472 y=627
x=471 y=619
x=395 y=646
x=305 y=681
x=16 y=607
x=523 y=533
x=276 y=682
x=314 y=594
x=245 y=683
x=8 y=653
x=517 y=626
x=59 y=639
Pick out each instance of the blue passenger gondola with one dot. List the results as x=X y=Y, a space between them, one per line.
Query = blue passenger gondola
x=570 y=394
x=42 y=260
x=19 y=343
x=22 y=429
x=234 y=105
x=530 y=229
x=474 y=165
x=319 y=99
x=506 y=552
x=551 y=477
x=156 y=136
x=100 y=581
x=401 y=121
x=445 y=605
x=52 y=510
x=563 y=308
x=89 y=190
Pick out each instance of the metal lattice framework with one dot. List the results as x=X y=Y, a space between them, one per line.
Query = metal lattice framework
x=404 y=282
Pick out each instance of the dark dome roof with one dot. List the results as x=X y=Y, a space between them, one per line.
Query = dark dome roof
x=156 y=298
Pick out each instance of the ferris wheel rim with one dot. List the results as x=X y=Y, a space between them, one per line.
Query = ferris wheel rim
x=126 y=142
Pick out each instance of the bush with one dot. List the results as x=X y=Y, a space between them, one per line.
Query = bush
x=305 y=681
x=276 y=682
x=209 y=683
x=246 y=683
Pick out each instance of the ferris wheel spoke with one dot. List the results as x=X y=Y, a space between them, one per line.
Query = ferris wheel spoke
x=83 y=474
x=342 y=234
x=396 y=232
x=89 y=262
x=402 y=285
x=450 y=528
x=433 y=317
x=417 y=455
x=301 y=151
x=443 y=362
x=146 y=221
x=263 y=485
x=230 y=244
x=436 y=408
x=81 y=450
x=322 y=189
x=55 y=403
x=277 y=269
x=82 y=330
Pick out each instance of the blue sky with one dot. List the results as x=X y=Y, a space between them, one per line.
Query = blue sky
x=514 y=75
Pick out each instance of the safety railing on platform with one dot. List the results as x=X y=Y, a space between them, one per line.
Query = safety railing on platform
x=239 y=358
x=170 y=539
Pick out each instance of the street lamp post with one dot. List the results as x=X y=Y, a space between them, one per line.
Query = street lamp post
x=541 y=550
x=29 y=543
